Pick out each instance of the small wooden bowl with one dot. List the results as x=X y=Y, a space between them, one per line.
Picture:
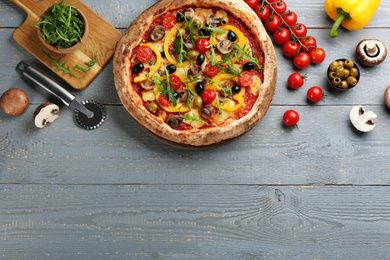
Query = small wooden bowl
x=72 y=48
x=349 y=87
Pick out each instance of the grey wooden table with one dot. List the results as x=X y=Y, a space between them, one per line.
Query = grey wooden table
x=318 y=192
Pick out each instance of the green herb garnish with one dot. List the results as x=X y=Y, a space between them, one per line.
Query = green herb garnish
x=191 y=118
x=90 y=63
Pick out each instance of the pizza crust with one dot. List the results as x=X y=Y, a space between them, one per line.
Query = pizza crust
x=194 y=137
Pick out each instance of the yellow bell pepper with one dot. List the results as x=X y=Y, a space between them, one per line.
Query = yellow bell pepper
x=239 y=97
x=168 y=56
x=152 y=69
x=241 y=38
x=351 y=14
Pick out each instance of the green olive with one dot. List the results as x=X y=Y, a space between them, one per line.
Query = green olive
x=352 y=81
x=346 y=73
x=152 y=107
x=340 y=63
x=339 y=72
x=336 y=81
x=333 y=66
x=197 y=101
x=332 y=75
x=224 y=20
x=343 y=84
x=197 y=22
x=354 y=72
x=348 y=64
x=192 y=54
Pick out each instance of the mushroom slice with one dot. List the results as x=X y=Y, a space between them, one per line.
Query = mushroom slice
x=189 y=13
x=157 y=33
x=213 y=20
x=371 y=52
x=147 y=84
x=361 y=119
x=206 y=111
x=174 y=121
x=387 y=97
x=45 y=113
x=194 y=70
x=225 y=46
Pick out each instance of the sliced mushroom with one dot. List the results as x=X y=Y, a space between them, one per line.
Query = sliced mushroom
x=225 y=46
x=148 y=84
x=183 y=95
x=45 y=113
x=194 y=70
x=387 y=97
x=14 y=102
x=174 y=121
x=361 y=119
x=371 y=52
x=206 y=111
x=157 y=33
x=189 y=13
x=213 y=20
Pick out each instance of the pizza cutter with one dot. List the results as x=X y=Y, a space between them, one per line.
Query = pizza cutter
x=89 y=114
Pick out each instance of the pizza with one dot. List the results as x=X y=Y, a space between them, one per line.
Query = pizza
x=196 y=73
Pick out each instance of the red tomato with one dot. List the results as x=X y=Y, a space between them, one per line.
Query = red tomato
x=317 y=55
x=208 y=96
x=211 y=70
x=273 y=23
x=246 y=79
x=296 y=80
x=291 y=48
x=169 y=21
x=252 y=3
x=175 y=82
x=144 y=53
x=290 y=18
x=290 y=118
x=202 y=45
x=299 y=30
x=282 y=35
x=280 y=7
x=302 y=60
x=309 y=42
x=315 y=94
x=164 y=102
x=262 y=12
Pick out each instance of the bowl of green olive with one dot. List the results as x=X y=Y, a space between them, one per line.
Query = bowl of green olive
x=343 y=74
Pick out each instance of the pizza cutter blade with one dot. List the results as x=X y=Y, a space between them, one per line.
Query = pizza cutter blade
x=89 y=114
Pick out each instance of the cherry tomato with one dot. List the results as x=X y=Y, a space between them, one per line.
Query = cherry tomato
x=169 y=21
x=245 y=79
x=309 y=42
x=315 y=94
x=273 y=23
x=290 y=18
x=291 y=48
x=175 y=82
x=317 y=55
x=164 y=102
x=290 y=118
x=282 y=35
x=252 y=3
x=262 y=12
x=299 y=30
x=211 y=70
x=202 y=45
x=280 y=7
x=302 y=60
x=296 y=80
x=208 y=96
x=144 y=53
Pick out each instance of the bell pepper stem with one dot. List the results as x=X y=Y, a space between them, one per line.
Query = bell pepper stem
x=342 y=16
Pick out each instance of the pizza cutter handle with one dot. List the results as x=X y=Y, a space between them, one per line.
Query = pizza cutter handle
x=34 y=76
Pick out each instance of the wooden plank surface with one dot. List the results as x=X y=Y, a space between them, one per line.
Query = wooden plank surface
x=317 y=192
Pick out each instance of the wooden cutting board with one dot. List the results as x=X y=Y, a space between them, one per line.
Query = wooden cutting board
x=102 y=37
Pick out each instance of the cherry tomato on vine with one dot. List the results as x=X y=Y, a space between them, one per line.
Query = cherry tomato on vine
x=175 y=82
x=290 y=18
x=246 y=79
x=291 y=48
x=296 y=80
x=262 y=12
x=317 y=55
x=315 y=94
x=290 y=118
x=211 y=70
x=202 y=45
x=282 y=35
x=309 y=42
x=208 y=96
x=302 y=60
x=252 y=3
x=280 y=7
x=299 y=30
x=273 y=23
x=169 y=21
x=144 y=53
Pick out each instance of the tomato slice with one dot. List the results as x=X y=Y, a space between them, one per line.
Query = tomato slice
x=175 y=82
x=164 y=102
x=144 y=53
x=169 y=21
x=245 y=79
x=211 y=70
x=208 y=96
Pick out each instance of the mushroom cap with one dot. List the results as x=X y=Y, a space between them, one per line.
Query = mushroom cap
x=361 y=119
x=14 y=102
x=387 y=97
x=363 y=52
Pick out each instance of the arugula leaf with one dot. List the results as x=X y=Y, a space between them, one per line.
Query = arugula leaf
x=242 y=53
x=90 y=63
x=191 y=118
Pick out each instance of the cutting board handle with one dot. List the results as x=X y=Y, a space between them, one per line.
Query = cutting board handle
x=29 y=6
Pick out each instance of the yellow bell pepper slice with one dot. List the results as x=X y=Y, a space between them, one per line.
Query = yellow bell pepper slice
x=152 y=69
x=215 y=82
x=239 y=97
x=168 y=56
x=242 y=41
